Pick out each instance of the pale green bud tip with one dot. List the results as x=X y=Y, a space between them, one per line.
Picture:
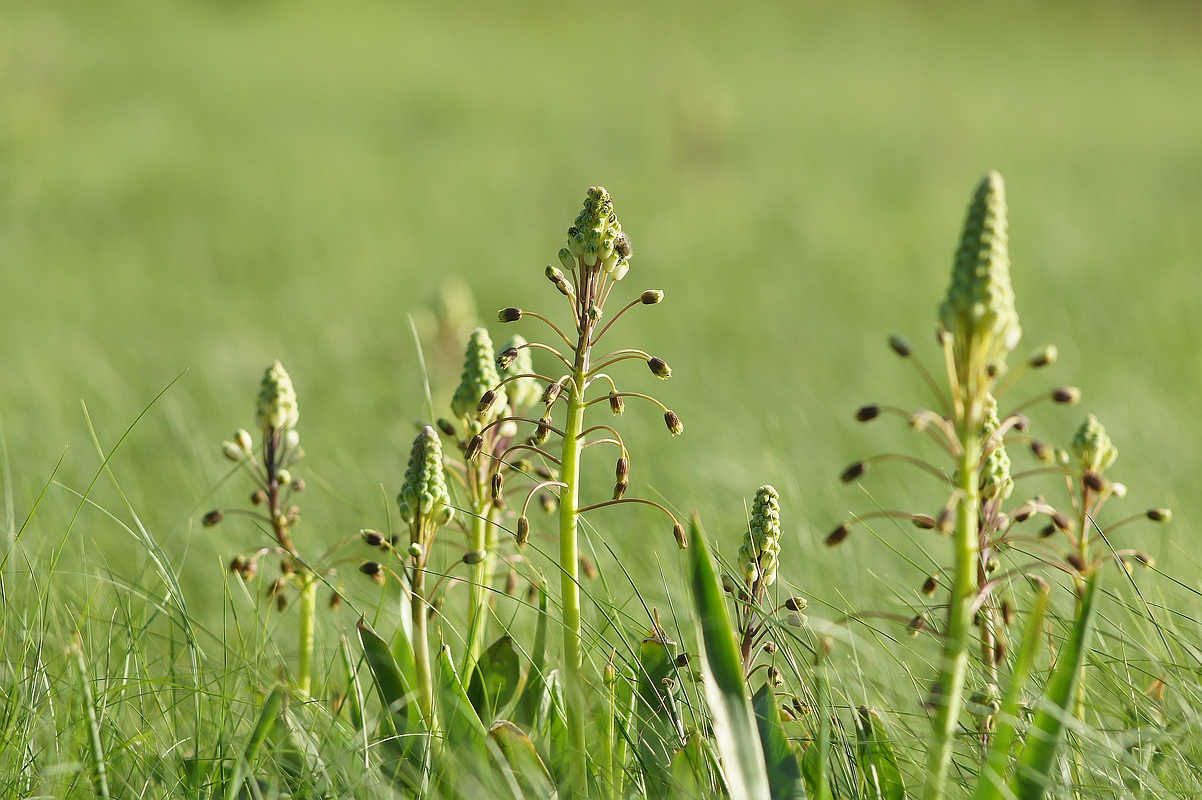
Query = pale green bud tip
x=596 y=238
x=479 y=377
x=276 y=409
x=424 y=496
x=979 y=309
x=659 y=368
x=1092 y=446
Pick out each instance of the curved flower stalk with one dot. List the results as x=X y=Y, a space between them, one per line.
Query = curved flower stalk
x=596 y=257
x=270 y=467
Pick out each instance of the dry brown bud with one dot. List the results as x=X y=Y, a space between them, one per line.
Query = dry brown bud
x=1076 y=561
x=498 y=487
x=1066 y=395
x=797 y=604
x=213 y=517
x=523 y=531
x=475 y=446
x=1094 y=481
x=372 y=538
x=473 y=557
x=258 y=498
x=1062 y=521
x=446 y=427
x=651 y=297
x=917 y=625
x=868 y=412
x=678 y=534
x=930 y=585
x=1043 y=451
x=923 y=521
x=1160 y=514
x=853 y=472
x=335 y=601
x=616 y=404
x=900 y=346
x=838 y=535
x=675 y=427
x=509 y=314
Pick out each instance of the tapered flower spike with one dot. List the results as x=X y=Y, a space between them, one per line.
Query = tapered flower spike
x=760 y=553
x=479 y=376
x=523 y=392
x=1092 y=446
x=276 y=409
x=596 y=238
x=996 y=481
x=424 y=497
x=979 y=310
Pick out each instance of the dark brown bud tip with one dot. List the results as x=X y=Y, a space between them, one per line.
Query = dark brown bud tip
x=1043 y=451
x=509 y=314
x=1160 y=514
x=473 y=557
x=551 y=393
x=523 y=534
x=475 y=446
x=917 y=625
x=675 y=426
x=335 y=601
x=1144 y=558
x=213 y=517
x=1044 y=357
x=853 y=473
x=868 y=412
x=620 y=488
x=498 y=487
x=507 y=357
x=238 y=564
x=944 y=522
x=1066 y=395
x=1023 y=512
x=659 y=368
x=486 y=402
x=1076 y=561
x=923 y=521
x=372 y=538
x=1021 y=423
x=838 y=535
x=1046 y=531
x=1062 y=521
x=900 y=346
x=797 y=604
x=371 y=568
x=678 y=534
x=298 y=484
x=1094 y=481
x=651 y=297
x=930 y=585
x=446 y=427
x=258 y=498
x=1007 y=611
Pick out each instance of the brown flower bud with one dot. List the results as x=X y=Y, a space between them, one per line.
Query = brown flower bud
x=917 y=625
x=678 y=534
x=373 y=570
x=588 y=568
x=944 y=522
x=372 y=538
x=523 y=535
x=1160 y=514
x=1046 y=531
x=1023 y=512
x=475 y=446
x=1062 y=521
x=298 y=484
x=616 y=404
x=473 y=557
x=651 y=297
x=1007 y=611
x=1076 y=561
x=509 y=314
x=446 y=427
x=838 y=535
x=1044 y=357
x=923 y=521
x=868 y=412
x=1066 y=395
x=511 y=584
x=1093 y=481
x=675 y=426
x=797 y=603
x=498 y=487
x=237 y=564
x=547 y=502
x=551 y=393
x=930 y=585
x=213 y=517
x=620 y=489
x=1043 y=451
x=258 y=498
x=335 y=601
x=486 y=402
x=507 y=357
x=659 y=368
x=900 y=346
x=853 y=473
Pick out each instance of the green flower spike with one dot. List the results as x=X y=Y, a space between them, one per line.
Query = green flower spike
x=760 y=552
x=996 y=482
x=596 y=238
x=276 y=409
x=523 y=392
x=1092 y=446
x=979 y=309
x=479 y=376
x=424 y=498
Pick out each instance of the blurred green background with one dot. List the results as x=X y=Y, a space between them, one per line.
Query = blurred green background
x=207 y=186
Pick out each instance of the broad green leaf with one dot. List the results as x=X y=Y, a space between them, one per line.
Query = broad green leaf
x=690 y=771
x=406 y=743
x=879 y=773
x=269 y=717
x=784 y=773
x=992 y=775
x=1033 y=775
x=495 y=679
x=733 y=720
x=353 y=701
x=460 y=722
x=658 y=734
x=518 y=751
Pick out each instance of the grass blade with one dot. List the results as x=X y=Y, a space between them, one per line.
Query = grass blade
x=518 y=751
x=100 y=783
x=878 y=763
x=269 y=715
x=784 y=773
x=734 y=722
x=1035 y=764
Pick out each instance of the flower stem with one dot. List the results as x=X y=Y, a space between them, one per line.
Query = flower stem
x=569 y=561
x=421 y=644
x=483 y=538
x=305 y=637
x=952 y=672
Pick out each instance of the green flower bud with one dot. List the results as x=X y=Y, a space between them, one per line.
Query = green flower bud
x=758 y=556
x=996 y=482
x=479 y=376
x=522 y=392
x=675 y=426
x=659 y=368
x=565 y=258
x=277 y=409
x=424 y=498
x=979 y=311
x=232 y=451
x=1092 y=446
x=651 y=297
x=243 y=440
x=283 y=476
x=509 y=314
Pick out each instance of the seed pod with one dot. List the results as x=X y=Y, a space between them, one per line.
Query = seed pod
x=213 y=517
x=675 y=427
x=523 y=534
x=678 y=534
x=509 y=314
x=868 y=412
x=852 y=473
x=651 y=297
x=498 y=487
x=659 y=368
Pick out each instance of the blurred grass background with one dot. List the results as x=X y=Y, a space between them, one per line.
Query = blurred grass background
x=207 y=186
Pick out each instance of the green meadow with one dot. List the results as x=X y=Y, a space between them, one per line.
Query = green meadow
x=190 y=190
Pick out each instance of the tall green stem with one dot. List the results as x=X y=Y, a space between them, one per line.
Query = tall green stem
x=481 y=577
x=952 y=672
x=308 y=625
x=569 y=561
x=421 y=643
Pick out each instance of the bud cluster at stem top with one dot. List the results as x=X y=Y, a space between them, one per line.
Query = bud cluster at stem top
x=276 y=409
x=759 y=555
x=1092 y=446
x=596 y=238
x=979 y=309
x=479 y=375
x=424 y=497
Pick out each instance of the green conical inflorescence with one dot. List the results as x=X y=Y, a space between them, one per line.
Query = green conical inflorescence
x=760 y=553
x=596 y=238
x=479 y=376
x=276 y=409
x=1092 y=446
x=979 y=309
x=996 y=481
x=523 y=392
x=424 y=498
